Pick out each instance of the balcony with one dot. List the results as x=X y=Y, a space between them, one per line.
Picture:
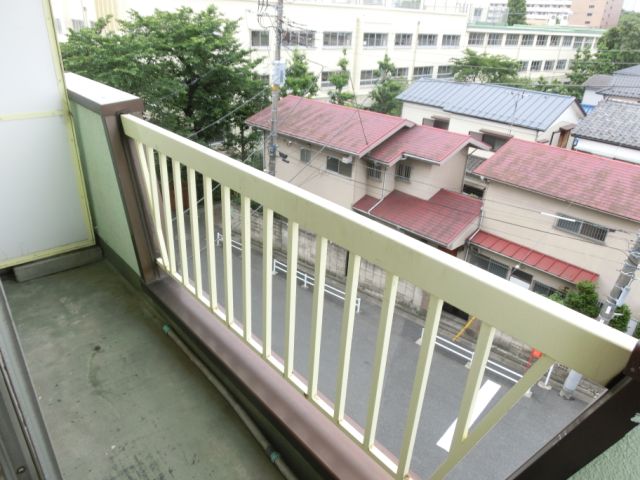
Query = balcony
x=326 y=327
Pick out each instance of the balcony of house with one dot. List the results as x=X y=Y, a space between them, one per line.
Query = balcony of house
x=236 y=323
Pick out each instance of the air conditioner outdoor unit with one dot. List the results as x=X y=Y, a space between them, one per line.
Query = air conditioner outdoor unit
x=348 y=159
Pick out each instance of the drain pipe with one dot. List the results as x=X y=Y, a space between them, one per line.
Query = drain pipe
x=273 y=455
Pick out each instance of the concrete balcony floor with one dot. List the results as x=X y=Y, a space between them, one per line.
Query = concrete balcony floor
x=119 y=398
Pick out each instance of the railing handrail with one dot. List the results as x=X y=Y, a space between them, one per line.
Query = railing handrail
x=594 y=349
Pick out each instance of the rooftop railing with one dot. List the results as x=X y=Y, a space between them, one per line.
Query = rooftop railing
x=188 y=254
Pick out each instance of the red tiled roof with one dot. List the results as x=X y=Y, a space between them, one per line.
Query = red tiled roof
x=422 y=141
x=600 y=183
x=533 y=258
x=341 y=128
x=441 y=219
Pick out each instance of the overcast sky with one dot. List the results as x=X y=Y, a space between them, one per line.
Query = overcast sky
x=632 y=5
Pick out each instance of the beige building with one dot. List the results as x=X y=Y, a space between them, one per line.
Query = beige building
x=596 y=13
x=406 y=175
x=553 y=217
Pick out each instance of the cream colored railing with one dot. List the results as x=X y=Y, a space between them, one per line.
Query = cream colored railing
x=560 y=334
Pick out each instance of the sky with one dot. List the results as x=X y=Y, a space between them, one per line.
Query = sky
x=632 y=5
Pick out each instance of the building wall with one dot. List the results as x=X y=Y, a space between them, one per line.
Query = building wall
x=514 y=214
x=539 y=12
x=590 y=97
x=596 y=13
x=606 y=150
x=72 y=15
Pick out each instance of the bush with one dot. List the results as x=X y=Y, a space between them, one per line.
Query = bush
x=583 y=299
x=620 y=320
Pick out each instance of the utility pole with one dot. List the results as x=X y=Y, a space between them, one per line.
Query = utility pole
x=277 y=80
x=616 y=298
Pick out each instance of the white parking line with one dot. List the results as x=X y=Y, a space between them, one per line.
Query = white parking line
x=485 y=394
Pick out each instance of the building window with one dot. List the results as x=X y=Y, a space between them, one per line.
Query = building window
x=420 y=72
x=495 y=39
x=368 y=77
x=527 y=40
x=445 y=71
x=336 y=165
x=567 y=41
x=524 y=66
x=264 y=79
x=536 y=65
x=374 y=171
x=543 y=289
x=372 y=40
x=336 y=39
x=259 y=38
x=427 y=40
x=488 y=264
x=512 y=39
x=588 y=43
x=561 y=65
x=589 y=14
x=541 y=41
x=494 y=141
x=403 y=172
x=476 y=38
x=592 y=6
x=77 y=24
x=402 y=72
x=437 y=122
x=581 y=228
x=548 y=65
x=299 y=38
x=305 y=155
x=577 y=44
x=450 y=41
x=554 y=40
x=403 y=40
x=325 y=79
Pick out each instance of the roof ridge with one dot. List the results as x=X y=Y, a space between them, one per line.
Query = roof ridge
x=489 y=85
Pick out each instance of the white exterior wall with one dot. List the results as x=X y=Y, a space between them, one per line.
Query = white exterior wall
x=438 y=18
x=538 y=11
x=513 y=214
x=590 y=97
x=606 y=150
x=66 y=11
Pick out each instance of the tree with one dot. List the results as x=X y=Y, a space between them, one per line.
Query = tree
x=299 y=80
x=583 y=298
x=517 y=12
x=188 y=68
x=388 y=87
x=485 y=68
x=340 y=80
x=620 y=320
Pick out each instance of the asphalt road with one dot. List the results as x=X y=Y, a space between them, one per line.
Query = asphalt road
x=519 y=434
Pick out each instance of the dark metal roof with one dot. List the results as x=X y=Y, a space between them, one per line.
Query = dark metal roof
x=513 y=106
x=622 y=86
x=635 y=71
x=617 y=123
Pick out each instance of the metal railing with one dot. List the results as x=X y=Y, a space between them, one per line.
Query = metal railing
x=562 y=335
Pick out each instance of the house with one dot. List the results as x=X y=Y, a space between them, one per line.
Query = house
x=492 y=114
x=612 y=130
x=623 y=86
x=405 y=175
x=553 y=217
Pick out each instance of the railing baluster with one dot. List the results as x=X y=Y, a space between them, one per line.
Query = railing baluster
x=182 y=241
x=476 y=372
x=195 y=229
x=226 y=253
x=434 y=311
x=267 y=280
x=168 y=223
x=245 y=213
x=211 y=239
x=351 y=293
x=142 y=163
x=316 y=315
x=380 y=362
x=493 y=416
x=290 y=302
x=155 y=206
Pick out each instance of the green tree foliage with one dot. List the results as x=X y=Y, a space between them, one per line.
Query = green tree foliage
x=583 y=298
x=299 y=80
x=636 y=332
x=620 y=320
x=383 y=96
x=485 y=68
x=340 y=80
x=187 y=67
x=517 y=14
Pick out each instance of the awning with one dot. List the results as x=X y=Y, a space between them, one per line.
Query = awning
x=539 y=261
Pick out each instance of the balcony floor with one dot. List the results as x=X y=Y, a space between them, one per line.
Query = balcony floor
x=120 y=400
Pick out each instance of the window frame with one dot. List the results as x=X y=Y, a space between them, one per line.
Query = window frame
x=444 y=74
x=554 y=40
x=473 y=36
x=381 y=39
x=427 y=40
x=564 y=221
x=549 y=66
x=261 y=34
x=512 y=40
x=534 y=64
x=527 y=40
x=403 y=172
x=492 y=139
x=374 y=171
x=403 y=37
x=342 y=39
x=341 y=168
x=567 y=41
x=491 y=39
x=423 y=75
x=368 y=81
x=545 y=40
x=447 y=44
x=298 y=35
x=562 y=62
x=305 y=152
